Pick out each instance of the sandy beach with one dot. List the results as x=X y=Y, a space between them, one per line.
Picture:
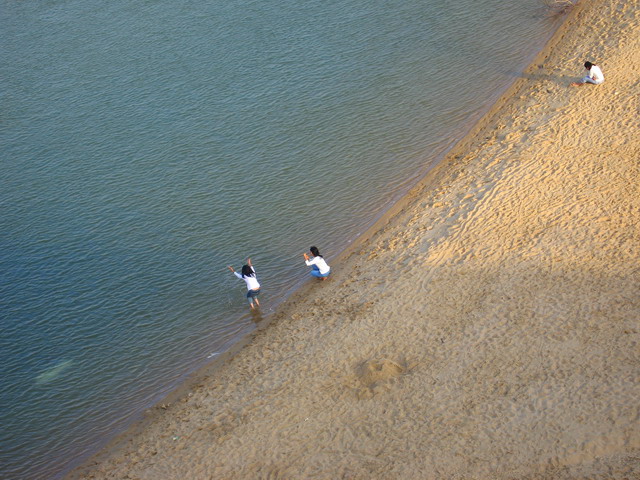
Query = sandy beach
x=486 y=328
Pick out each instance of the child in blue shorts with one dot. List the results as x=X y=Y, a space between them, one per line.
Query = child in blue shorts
x=249 y=276
x=319 y=267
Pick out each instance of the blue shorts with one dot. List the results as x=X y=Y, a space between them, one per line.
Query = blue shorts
x=315 y=271
x=251 y=294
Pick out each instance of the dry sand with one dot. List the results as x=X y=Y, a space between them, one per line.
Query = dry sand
x=488 y=329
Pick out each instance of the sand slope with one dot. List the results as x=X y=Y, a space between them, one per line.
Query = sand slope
x=490 y=329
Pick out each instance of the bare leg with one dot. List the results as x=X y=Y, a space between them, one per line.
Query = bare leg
x=257 y=301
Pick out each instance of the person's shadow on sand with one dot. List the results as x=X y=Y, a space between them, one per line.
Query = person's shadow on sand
x=541 y=76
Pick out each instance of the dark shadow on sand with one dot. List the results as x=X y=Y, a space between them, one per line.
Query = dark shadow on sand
x=540 y=77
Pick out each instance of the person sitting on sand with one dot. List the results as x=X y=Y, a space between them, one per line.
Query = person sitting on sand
x=594 y=76
x=249 y=276
x=319 y=267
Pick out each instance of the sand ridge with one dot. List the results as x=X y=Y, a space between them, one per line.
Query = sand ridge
x=489 y=329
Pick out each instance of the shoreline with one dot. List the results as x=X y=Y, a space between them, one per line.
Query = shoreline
x=393 y=206
x=300 y=289
x=377 y=373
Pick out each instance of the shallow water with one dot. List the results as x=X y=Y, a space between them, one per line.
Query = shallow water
x=146 y=147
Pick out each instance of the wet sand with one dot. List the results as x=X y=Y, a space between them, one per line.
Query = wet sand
x=487 y=327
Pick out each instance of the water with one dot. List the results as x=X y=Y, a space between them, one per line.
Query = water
x=146 y=146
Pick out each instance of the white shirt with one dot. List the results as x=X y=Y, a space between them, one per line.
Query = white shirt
x=252 y=281
x=596 y=74
x=320 y=263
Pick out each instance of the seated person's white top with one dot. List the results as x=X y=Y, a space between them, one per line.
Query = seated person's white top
x=595 y=75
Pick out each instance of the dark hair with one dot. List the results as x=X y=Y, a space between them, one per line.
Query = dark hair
x=588 y=65
x=315 y=252
x=247 y=271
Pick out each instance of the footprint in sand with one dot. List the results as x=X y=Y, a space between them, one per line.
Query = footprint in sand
x=375 y=373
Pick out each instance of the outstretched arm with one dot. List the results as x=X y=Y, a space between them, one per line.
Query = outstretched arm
x=231 y=268
x=249 y=262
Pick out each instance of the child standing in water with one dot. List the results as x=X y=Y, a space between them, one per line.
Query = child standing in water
x=249 y=276
x=319 y=267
